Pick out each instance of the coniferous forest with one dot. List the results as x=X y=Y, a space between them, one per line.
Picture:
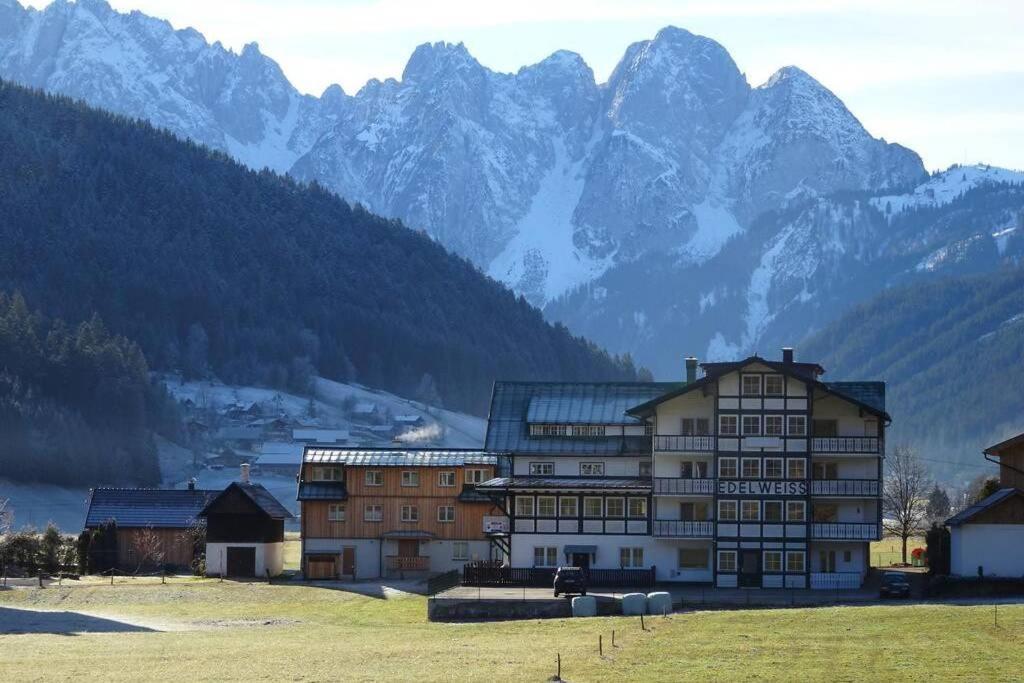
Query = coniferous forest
x=214 y=269
x=76 y=403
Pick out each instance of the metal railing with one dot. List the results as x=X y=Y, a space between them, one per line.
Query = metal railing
x=846 y=444
x=682 y=486
x=844 y=487
x=853 y=531
x=835 y=580
x=680 y=528
x=698 y=444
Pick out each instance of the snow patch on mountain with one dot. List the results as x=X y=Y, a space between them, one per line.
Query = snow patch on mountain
x=943 y=188
x=542 y=261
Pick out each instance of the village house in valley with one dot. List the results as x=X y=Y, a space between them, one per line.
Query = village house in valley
x=757 y=474
x=987 y=539
x=369 y=513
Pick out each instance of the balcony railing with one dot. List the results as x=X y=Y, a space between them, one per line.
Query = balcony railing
x=835 y=580
x=846 y=444
x=679 y=486
x=691 y=444
x=679 y=528
x=407 y=564
x=845 y=531
x=844 y=487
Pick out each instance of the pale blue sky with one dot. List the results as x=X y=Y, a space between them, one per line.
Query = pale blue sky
x=942 y=77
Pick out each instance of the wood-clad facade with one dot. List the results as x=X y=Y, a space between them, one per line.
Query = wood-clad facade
x=174 y=547
x=387 y=511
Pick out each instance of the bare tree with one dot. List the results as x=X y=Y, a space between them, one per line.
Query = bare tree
x=149 y=549
x=6 y=524
x=905 y=496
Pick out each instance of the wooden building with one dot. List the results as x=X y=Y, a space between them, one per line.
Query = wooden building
x=244 y=532
x=987 y=539
x=157 y=528
x=394 y=512
x=153 y=525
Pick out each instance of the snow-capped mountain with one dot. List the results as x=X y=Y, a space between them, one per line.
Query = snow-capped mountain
x=676 y=201
x=544 y=178
x=139 y=66
x=800 y=267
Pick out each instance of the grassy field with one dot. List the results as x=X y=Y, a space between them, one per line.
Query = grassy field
x=232 y=631
x=888 y=551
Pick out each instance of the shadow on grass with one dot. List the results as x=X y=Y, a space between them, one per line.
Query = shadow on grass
x=24 y=621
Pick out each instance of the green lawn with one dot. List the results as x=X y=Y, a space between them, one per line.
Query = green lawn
x=283 y=632
x=888 y=551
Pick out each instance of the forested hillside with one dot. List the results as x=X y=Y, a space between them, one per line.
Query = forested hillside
x=252 y=276
x=952 y=352
x=76 y=403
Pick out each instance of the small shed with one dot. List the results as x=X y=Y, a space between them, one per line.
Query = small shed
x=988 y=537
x=244 y=532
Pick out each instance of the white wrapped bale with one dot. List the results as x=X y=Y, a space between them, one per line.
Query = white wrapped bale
x=634 y=604
x=584 y=606
x=659 y=603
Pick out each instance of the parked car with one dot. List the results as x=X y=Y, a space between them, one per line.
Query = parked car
x=894 y=585
x=570 y=580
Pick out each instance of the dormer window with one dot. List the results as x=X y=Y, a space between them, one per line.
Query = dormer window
x=751 y=385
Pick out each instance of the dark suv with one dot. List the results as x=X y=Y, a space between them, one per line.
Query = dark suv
x=570 y=580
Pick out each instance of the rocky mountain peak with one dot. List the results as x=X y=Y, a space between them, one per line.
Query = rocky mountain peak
x=439 y=60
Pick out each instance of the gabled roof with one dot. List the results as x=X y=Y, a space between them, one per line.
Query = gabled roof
x=991 y=501
x=144 y=508
x=263 y=499
x=867 y=395
x=998 y=448
x=515 y=405
x=398 y=457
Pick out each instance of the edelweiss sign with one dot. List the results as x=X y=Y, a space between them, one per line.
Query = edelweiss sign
x=762 y=488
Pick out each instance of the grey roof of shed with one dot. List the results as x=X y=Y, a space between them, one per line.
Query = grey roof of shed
x=515 y=405
x=567 y=483
x=144 y=508
x=398 y=457
x=263 y=499
x=967 y=514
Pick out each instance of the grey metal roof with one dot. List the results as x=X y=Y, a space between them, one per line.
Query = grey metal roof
x=514 y=405
x=398 y=457
x=469 y=494
x=142 y=508
x=262 y=497
x=567 y=483
x=967 y=514
x=322 y=490
x=869 y=393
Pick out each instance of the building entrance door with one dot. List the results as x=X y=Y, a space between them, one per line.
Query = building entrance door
x=750 y=569
x=348 y=561
x=581 y=560
x=408 y=547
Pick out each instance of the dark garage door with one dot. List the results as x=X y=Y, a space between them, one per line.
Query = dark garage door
x=241 y=561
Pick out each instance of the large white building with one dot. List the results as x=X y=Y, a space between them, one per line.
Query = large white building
x=756 y=474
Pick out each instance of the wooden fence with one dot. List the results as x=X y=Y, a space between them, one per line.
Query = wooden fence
x=491 y=574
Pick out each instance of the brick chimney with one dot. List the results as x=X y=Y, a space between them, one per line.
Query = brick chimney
x=691 y=369
x=244 y=478
x=787 y=355
x=192 y=484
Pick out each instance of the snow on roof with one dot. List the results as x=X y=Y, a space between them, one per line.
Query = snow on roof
x=392 y=457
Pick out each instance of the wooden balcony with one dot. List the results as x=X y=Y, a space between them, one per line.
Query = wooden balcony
x=684 y=444
x=398 y=563
x=680 y=528
x=674 y=486
x=845 y=531
x=845 y=488
x=846 y=444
